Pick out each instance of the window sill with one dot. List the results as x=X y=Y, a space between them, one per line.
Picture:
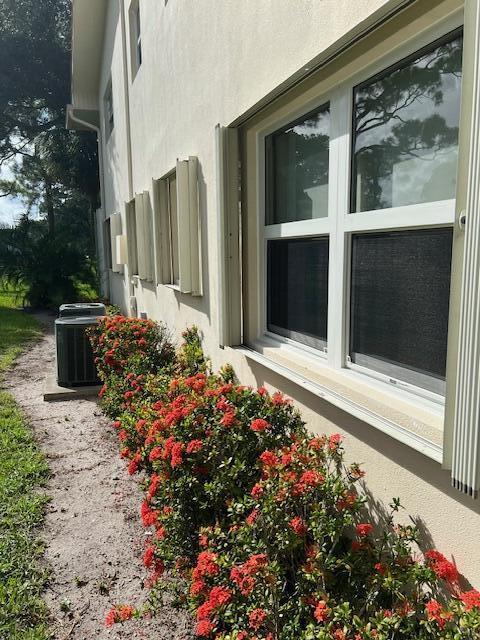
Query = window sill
x=407 y=422
x=174 y=287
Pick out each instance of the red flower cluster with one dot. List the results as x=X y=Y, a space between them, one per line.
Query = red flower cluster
x=244 y=575
x=364 y=529
x=259 y=425
x=442 y=567
x=120 y=613
x=298 y=526
x=471 y=599
x=257 y=618
x=321 y=612
x=435 y=612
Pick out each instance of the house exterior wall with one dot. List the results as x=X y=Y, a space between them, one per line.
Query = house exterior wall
x=208 y=62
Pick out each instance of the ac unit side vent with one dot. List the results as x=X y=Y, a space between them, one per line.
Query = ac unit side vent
x=75 y=360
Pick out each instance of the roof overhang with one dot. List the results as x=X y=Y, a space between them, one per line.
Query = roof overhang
x=82 y=119
x=88 y=28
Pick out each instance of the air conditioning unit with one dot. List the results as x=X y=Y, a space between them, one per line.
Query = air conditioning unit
x=75 y=361
x=82 y=309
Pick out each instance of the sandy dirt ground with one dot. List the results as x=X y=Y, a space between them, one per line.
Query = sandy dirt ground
x=93 y=533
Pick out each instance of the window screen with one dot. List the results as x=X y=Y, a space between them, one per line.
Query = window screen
x=297 y=296
x=297 y=169
x=406 y=130
x=399 y=303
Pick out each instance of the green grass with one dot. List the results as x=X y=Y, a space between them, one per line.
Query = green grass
x=22 y=471
x=16 y=327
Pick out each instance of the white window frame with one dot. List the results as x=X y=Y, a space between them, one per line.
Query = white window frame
x=132 y=240
x=164 y=267
x=189 y=232
x=340 y=226
x=135 y=37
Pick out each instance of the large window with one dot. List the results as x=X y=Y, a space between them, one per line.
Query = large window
x=359 y=265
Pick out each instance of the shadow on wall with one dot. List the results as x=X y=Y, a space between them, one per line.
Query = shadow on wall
x=379 y=514
x=424 y=468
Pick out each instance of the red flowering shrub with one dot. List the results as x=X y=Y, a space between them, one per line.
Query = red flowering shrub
x=120 y=343
x=308 y=567
x=127 y=351
x=201 y=453
x=264 y=524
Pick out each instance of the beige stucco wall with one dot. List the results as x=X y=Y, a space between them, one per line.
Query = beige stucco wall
x=207 y=62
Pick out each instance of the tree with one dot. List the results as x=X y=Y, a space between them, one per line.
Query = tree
x=53 y=170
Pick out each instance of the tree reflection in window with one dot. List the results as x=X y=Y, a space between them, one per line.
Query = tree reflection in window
x=405 y=140
x=297 y=169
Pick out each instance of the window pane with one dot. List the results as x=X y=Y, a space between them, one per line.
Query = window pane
x=298 y=289
x=399 y=303
x=132 y=239
x=172 y=205
x=297 y=169
x=406 y=131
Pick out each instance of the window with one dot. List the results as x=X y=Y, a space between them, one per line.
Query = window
x=135 y=37
x=177 y=228
x=358 y=267
x=405 y=136
x=172 y=222
x=108 y=243
x=297 y=157
x=132 y=248
x=109 y=121
x=399 y=304
x=298 y=289
x=297 y=163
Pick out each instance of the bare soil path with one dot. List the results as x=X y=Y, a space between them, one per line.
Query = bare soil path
x=93 y=534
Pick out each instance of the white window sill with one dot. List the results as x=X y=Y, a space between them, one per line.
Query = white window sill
x=416 y=424
x=174 y=287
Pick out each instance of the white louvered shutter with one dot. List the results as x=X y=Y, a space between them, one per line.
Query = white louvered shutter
x=228 y=232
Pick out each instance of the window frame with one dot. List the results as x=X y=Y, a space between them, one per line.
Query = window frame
x=108 y=110
x=341 y=224
x=132 y=240
x=164 y=255
x=135 y=37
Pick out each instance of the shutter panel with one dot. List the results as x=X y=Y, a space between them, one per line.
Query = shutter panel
x=140 y=228
x=115 y=230
x=189 y=231
x=184 y=226
x=462 y=413
x=195 y=228
x=229 y=229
